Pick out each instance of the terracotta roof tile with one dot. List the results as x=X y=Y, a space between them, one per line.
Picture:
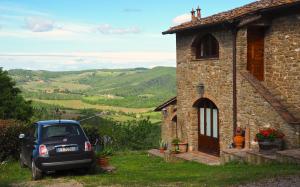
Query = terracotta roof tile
x=231 y=14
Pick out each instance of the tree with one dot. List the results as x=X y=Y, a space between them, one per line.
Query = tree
x=12 y=104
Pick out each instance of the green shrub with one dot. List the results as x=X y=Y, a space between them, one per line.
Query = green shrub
x=9 y=138
x=12 y=104
x=175 y=141
x=92 y=133
x=131 y=135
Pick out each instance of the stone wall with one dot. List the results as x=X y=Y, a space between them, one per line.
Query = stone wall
x=215 y=74
x=168 y=127
x=282 y=69
x=282 y=61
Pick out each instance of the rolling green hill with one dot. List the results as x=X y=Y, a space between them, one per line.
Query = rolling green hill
x=132 y=88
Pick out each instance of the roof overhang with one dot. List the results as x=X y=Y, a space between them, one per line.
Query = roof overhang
x=165 y=104
x=237 y=21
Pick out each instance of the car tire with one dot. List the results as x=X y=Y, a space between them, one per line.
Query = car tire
x=36 y=173
x=21 y=162
x=93 y=168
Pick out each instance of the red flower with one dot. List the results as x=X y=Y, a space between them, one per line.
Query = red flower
x=269 y=133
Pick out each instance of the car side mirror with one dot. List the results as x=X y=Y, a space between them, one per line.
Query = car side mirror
x=21 y=136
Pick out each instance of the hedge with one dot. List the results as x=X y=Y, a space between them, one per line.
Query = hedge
x=9 y=138
x=130 y=135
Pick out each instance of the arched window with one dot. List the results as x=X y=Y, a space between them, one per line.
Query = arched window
x=207 y=47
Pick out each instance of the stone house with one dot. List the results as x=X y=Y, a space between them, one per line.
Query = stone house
x=169 y=129
x=239 y=68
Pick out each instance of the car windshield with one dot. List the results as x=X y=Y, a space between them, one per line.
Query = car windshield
x=60 y=130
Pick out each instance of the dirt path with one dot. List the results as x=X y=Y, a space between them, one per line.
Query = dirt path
x=290 y=181
x=50 y=183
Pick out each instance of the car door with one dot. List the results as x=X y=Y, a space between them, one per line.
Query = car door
x=29 y=144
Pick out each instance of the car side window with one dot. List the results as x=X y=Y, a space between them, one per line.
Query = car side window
x=35 y=135
x=33 y=132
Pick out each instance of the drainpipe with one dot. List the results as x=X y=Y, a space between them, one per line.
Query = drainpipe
x=234 y=94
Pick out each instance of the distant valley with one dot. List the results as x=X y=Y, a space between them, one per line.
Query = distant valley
x=126 y=88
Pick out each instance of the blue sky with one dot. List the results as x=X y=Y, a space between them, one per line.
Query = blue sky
x=86 y=34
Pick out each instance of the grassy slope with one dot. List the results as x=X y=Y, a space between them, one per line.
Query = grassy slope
x=140 y=87
x=78 y=104
x=137 y=169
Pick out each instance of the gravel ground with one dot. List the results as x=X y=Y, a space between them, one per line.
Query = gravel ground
x=290 y=181
x=49 y=183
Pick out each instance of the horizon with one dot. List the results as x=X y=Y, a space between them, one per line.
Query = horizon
x=97 y=69
x=94 y=35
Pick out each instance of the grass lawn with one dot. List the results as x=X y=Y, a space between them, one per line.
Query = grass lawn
x=137 y=169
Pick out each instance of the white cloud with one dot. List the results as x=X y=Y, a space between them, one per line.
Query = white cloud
x=39 y=24
x=182 y=19
x=86 y=60
x=108 y=29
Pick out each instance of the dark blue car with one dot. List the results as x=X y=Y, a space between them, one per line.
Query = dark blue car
x=55 y=145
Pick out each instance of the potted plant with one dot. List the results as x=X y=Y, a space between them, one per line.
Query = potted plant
x=175 y=147
x=103 y=157
x=270 y=140
x=178 y=146
x=183 y=147
x=239 y=138
x=162 y=146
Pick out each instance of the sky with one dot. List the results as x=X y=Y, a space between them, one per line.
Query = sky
x=64 y=35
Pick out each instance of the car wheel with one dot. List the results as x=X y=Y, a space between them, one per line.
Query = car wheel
x=36 y=172
x=21 y=162
x=93 y=168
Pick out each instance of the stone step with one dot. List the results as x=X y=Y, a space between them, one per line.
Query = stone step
x=256 y=157
x=229 y=155
x=289 y=156
x=199 y=157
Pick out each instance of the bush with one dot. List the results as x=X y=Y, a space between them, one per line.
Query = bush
x=131 y=135
x=9 y=138
x=12 y=104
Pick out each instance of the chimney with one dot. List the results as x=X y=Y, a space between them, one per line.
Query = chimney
x=198 y=13
x=194 y=18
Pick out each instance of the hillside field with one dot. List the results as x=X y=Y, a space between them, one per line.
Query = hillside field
x=127 y=88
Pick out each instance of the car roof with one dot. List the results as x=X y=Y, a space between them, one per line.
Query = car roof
x=55 y=122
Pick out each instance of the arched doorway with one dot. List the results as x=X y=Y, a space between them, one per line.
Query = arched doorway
x=208 y=126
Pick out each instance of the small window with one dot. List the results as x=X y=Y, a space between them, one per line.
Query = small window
x=207 y=47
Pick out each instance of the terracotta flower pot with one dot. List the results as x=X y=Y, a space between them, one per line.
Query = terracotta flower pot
x=103 y=162
x=183 y=147
x=161 y=150
x=239 y=141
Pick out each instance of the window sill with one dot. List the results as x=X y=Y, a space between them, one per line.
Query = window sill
x=206 y=59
